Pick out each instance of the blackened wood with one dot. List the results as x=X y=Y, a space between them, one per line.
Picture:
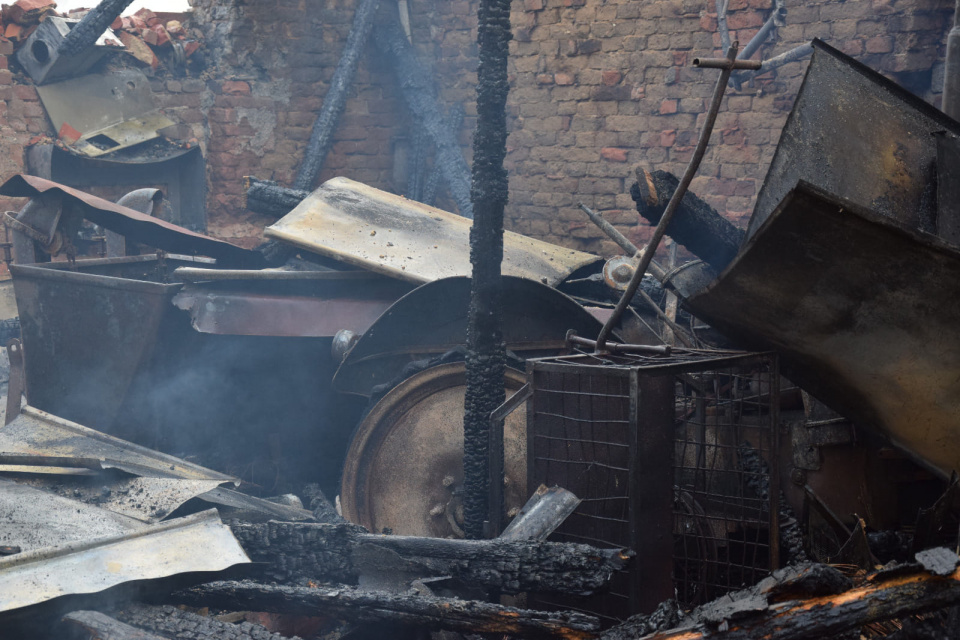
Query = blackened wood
x=419 y=91
x=321 y=137
x=775 y=612
x=184 y=625
x=270 y=198
x=334 y=553
x=100 y=626
x=371 y=606
x=697 y=225
x=84 y=35
x=486 y=350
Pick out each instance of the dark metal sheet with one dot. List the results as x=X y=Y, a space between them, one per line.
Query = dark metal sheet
x=133 y=224
x=860 y=136
x=863 y=312
x=311 y=309
x=432 y=319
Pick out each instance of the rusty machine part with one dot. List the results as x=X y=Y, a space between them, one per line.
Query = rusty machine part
x=872 y=336
x=404 y=469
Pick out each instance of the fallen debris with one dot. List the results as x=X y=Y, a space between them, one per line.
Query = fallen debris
x=103 y=627
x=369 y=606
x=816 y=601
x=308 y=551
x=175 y=623
x=697 y=225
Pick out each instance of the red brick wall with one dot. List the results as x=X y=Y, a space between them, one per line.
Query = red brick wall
x=598 y=86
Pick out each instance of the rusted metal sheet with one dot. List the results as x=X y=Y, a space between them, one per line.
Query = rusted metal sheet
x=315 y=308
x=38 y=433
x=134 y=225
x=856 y=134
x=388 y=234
x=432 y=319
x=35 y=519
x=198 y=542
x=863 y=312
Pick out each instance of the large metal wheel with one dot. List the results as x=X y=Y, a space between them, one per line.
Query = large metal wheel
x=403 y=472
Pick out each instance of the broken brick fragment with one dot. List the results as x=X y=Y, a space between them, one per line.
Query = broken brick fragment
x=610 y=77
x=29 y=12
x=189 y=48
x=68 y=134
x=139 y=49
x=564 y=79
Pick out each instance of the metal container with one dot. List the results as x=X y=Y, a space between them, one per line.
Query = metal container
x=670 y=456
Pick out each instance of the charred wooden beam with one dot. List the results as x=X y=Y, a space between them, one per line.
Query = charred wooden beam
x=697 y=225
x=84 y=35
x=321 y=137
x=100 y=626
x=371 y=606
x=818 y=602
x=330 y=552
x=419 y=91
x=178 y=624
x=486 y=351
x=270 y=198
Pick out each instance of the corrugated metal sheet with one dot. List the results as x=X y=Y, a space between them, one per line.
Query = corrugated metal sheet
x=195 y=543
x=362 y=226
x=33 y=519
x=38 y=433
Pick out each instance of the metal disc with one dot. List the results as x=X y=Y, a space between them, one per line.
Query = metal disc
x=404 y=469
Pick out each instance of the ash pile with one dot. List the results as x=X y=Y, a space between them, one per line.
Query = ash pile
x=208 y=441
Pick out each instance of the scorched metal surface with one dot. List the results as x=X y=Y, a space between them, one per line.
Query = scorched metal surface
x=858 y=135
x=863 y=312
x=388 y=234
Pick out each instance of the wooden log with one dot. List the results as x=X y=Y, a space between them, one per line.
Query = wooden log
x=697 y=225
x=178 y=624
x=321 y=137
x=270 y=198
x=777 y=611
x=100 y=626
x=85 y=34
x=371 y=606
x=419 y=91
x=336 y=553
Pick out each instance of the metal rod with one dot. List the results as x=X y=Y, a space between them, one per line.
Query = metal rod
x=725 y=63
x=722 y=25
x=655 y=268
x=675 y=200
x=678 y=331
x=651 y=349
x=778 y=61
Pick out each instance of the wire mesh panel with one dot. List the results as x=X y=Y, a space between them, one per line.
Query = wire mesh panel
x=670 y=455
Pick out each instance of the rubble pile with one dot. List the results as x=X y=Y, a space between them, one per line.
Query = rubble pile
x=175 y=400
x=155 y=41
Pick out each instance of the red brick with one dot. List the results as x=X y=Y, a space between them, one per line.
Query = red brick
x=6 y=47
x=5 y=77
x=668 y=106
x=236 y=87
x=564 y=79
x=879 y=44
x=533 y=5
x=668 y=137
x=611 y=77
x=613 y=154
x=25 y=92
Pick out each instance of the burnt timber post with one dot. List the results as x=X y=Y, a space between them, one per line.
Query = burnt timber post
x=486 y=352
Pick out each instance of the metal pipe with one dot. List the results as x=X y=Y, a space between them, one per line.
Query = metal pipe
x=650 y=349
x=655 y=268
x=724 y=63
x=674 y=204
